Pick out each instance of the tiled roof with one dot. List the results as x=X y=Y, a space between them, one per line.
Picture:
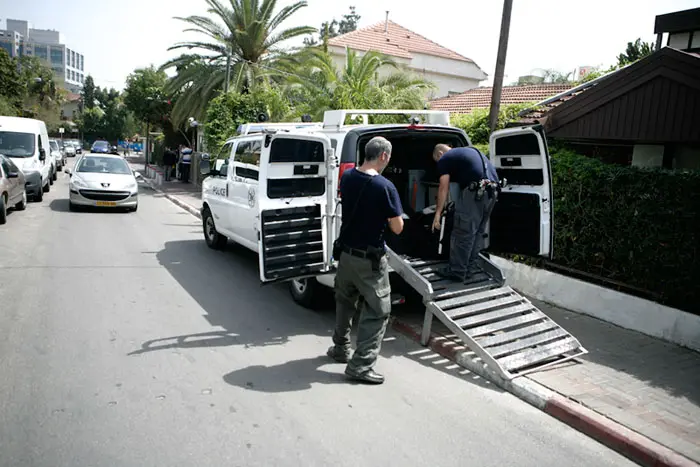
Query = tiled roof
x=72 y=97
x=397 y=41
x=479 y=98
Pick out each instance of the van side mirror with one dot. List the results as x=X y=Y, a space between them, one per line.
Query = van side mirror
x=12 y=175
x=205 y=167
x=42 y=154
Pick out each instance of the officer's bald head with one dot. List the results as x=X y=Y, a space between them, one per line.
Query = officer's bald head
x=439 y=150
x=376 y=147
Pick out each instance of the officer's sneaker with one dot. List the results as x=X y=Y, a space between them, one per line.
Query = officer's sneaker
x=339 y=355
x=368 y=377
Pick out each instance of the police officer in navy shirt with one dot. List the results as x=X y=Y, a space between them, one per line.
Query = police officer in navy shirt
x=478 y=192
x=370 y=204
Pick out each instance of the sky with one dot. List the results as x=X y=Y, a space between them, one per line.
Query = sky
x=117 y=37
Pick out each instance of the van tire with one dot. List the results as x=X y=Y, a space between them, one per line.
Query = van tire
x=309 y=293
x=54 y=177
x=214 y=239
x=3 y=209
x=39 y=195
x=22 y=205
x=46 y=188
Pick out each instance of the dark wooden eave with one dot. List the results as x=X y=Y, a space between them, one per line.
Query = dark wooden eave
x=655 y=100
x=678 y=21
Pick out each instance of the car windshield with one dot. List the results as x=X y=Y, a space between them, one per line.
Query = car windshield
x=105 y=165
x=54 y=145
x=100 y=144
x=14 y=144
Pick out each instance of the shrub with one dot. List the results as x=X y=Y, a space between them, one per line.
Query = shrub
x=634 y=225
x=227 y=111
x=476 y=123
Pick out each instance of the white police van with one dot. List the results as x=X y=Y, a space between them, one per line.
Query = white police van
x=274 y=189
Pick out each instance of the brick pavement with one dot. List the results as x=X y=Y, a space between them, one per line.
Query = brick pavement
x=643 y=383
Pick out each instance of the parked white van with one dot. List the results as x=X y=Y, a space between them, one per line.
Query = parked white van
x=26 y=142
x=275 y=191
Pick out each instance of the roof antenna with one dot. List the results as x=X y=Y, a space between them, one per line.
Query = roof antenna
x=386 y=23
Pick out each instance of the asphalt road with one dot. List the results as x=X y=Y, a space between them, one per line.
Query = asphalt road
x=125 y=341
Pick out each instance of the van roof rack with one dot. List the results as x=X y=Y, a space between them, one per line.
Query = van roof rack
x=251 y=128
x=335 y=119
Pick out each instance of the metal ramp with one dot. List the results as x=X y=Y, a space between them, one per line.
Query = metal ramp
x=494 y=321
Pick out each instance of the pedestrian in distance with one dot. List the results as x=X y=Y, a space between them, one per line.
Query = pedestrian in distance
x=370 y=204
x=478 y=192
x=169 y=160
x=186 y=163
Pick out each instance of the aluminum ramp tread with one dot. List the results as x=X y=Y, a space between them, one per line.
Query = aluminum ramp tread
x=509 y=333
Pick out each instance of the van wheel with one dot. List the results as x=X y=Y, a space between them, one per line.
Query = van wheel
x=47 y=187
x=22 y=205
x=54 y=177
x=214 y=239
x=39 y=195
x=3 y=209
x=309 y=293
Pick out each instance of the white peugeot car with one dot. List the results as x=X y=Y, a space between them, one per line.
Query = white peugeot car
x=103 y=180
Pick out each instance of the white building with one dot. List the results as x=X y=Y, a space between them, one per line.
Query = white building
x=67 y=64
x=451 y=72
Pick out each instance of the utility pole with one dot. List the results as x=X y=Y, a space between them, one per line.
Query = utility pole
x=500 y=64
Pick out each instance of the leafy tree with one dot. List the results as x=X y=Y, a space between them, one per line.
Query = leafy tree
x=11 y=86
x=145 y=95
x=333 y=28
x=476 y=123
x=251 y=36
x=313 y=83
x=88 y=92
x=634 y=51
x=227 y=111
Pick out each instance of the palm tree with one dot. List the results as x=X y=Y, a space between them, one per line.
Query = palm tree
x=315 y=84
x=244 y=34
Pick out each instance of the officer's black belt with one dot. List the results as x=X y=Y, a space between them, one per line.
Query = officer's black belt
x=364 y=254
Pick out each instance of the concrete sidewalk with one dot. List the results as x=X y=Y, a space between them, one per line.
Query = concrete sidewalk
x=634 y=393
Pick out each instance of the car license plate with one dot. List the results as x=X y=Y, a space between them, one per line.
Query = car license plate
x=106 y=203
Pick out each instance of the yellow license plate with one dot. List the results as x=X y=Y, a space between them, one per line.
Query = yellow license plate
x=106 y=203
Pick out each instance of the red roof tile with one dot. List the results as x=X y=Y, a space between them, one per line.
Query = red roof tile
x=397 y=41
x=480 y=98
x=72 y=97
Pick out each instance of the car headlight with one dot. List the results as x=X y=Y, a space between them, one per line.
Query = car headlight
x=132 y=186
x=77 y=183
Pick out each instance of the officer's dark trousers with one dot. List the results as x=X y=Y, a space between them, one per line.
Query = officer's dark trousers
x=467 y=240
x=358 y=286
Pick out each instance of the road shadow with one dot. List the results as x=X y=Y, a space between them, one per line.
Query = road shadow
x=63 y=205
x=226 y=286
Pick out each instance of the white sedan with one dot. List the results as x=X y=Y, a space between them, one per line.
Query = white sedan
x=103 y=180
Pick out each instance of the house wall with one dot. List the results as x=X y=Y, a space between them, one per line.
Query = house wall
x=70 y=110
x=447 y=75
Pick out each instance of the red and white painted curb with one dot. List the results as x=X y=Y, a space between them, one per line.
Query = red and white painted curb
x=629 y=443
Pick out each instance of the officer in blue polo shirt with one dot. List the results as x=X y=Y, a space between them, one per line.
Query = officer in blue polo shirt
x=370 y=205
x=478 y=192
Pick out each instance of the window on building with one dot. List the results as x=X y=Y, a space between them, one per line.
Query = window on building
x=679 y=40
x=695 y=41
x=7 y=46
x=82 y=62
x=57 y=56
x=40 y=51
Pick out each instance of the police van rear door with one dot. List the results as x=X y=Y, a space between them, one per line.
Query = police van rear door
x=521 y=221
x=294 y=197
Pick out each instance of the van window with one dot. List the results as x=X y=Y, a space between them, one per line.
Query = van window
x=248 y=154
x=14 y=144
x=296 y=150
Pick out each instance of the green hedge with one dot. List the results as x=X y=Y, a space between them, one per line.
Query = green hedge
x=633 y=225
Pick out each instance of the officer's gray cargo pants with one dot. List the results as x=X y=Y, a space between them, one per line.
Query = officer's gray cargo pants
x=467 y=240
x=358 y=286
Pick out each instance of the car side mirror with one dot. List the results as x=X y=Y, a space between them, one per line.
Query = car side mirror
x=42 y=154
x=138 y=175
x=68 y=172
x=12 y=175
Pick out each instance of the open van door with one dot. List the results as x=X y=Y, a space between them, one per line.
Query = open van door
x=295 y=206
x=521 y=221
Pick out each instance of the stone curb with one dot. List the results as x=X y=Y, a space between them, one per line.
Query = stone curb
x=629 y=443
x=187 y=207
